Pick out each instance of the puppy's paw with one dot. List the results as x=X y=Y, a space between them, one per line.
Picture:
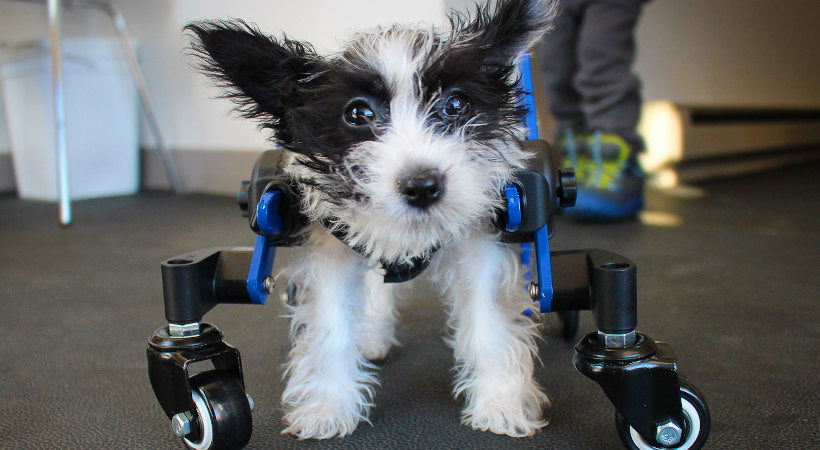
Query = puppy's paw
x=322 y=421
x=374 y=350
x=375 y=339
x=504 y=421
x=511 y=415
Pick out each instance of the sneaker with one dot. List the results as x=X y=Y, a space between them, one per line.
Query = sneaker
x=610 y=182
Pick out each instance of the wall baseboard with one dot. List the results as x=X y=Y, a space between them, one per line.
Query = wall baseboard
x=6 y=173
x=677 y=134
x=220 y=172
x=209 y=172
x=734 y=165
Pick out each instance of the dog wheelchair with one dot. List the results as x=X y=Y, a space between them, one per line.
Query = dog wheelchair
x=656 y=407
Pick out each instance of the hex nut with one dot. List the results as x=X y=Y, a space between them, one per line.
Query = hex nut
x=619 y=340
x=183 y=329
x=668 y=433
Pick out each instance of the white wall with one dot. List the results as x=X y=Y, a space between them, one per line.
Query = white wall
x=738 y=52
x=189 y=117
x=727 y=52
x=731 y=52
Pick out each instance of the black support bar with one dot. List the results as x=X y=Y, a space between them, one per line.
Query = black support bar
x=599 y=280
x=195 y=282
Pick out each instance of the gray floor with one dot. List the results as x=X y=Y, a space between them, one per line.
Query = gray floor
x=733 y=288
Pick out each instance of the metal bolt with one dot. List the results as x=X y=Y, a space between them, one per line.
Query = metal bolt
x=181 y=424
x=250 y=401
x=269 y=284
x=668 y=433
x=535 y=292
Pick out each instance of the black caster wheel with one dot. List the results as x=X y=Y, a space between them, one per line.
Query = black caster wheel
x=694 y=433
x=569 y=324
x=223 y=412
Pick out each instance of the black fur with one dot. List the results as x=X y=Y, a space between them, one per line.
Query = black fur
x=499 y=34
x=301 y=97
x=262 y=75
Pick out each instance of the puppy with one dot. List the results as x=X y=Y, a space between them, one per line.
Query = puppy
x=400 y=146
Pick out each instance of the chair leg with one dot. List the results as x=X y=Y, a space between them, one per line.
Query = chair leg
x=139 y=82
x=54 y=16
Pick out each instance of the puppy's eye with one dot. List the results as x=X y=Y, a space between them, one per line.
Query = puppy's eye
x=455 y=105
x=359 y=113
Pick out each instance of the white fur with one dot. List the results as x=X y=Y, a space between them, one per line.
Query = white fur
x=494 y=343
x=330 y=384
x=386 y=227
x=346 y=315
x=376 y=332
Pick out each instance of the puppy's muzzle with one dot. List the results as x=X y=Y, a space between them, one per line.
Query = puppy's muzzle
x=422 y=188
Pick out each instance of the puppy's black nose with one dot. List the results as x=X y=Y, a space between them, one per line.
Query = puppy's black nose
x=422 y=189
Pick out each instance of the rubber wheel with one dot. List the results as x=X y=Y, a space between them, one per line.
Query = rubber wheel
x=222 y=411
x=696 y=430
x=569 y=324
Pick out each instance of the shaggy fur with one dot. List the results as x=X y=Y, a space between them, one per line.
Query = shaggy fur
x=394 y=105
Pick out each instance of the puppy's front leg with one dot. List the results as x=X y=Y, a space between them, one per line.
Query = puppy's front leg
x=493 y=342
x=330 y=384
x=376 y=333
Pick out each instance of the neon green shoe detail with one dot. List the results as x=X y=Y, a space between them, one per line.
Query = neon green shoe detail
x=610 y=183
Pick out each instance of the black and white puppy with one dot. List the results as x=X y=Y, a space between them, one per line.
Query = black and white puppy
x=400 y=145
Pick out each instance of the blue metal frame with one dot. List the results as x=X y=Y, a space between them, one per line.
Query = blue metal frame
x=531 y=119
x=543 y=267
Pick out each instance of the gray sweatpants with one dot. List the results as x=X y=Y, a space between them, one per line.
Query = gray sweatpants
x=586 y=62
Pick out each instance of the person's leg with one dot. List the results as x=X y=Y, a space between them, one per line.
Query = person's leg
x=610 y=91
x=557 y=60
x=610 y=182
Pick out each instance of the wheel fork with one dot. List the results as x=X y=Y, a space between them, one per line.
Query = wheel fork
x=170 y=361
x=641 y=381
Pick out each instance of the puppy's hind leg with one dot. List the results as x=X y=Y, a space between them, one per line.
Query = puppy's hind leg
x=329 y=384
x=376 y=332
x=494 y=342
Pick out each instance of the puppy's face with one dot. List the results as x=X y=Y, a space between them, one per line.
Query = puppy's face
x=404 y=138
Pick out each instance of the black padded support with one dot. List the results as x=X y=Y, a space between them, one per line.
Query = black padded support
x=268 y=175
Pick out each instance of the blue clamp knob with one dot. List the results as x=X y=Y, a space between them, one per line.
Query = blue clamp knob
x=513 y=208
x=267 y=213
x=264 y=250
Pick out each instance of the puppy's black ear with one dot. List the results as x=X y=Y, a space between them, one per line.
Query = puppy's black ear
x=263 y=75
x=505 y=31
